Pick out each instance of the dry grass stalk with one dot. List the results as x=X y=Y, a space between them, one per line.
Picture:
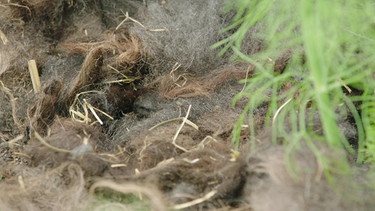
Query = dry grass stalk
x=13 y=104
x=34 y=74
x=127 y=17
x=179 y=129
x=205 y=141
x=246 y=77
x=18 y=5
x=77 y=115
x=21 y=182
x=179 y=77
x=118 y=165
x=14 y=141
x=195 y=201
x=192 y=124
x=3 y=38
x=345 y=86
x=37 y=136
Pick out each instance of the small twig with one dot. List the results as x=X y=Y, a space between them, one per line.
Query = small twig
x=34 y=74
x=18 y=5
x=22 y=155
x=127 y=17
x=86 y=114
x=19 y=137
x=179 y=129
x=175 y=80
x=125 y=80
x=195 y=201
x=173 y=120
x=74 y=113
x=104 y=113
x=345 y=86
x=204 y=141
x=112 y=158
x=21 y=182
x=86 y=106
x=13 y=105
x=191 y=161
x=93 y=111
x=3 y=38
x=37 y=136
x=12 y=143
x=118 y=165
x=247 y=75
x=117 y=71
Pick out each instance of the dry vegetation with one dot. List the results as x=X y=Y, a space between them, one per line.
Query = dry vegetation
x=139 y=109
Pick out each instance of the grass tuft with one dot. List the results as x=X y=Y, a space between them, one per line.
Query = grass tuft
x=332 y=46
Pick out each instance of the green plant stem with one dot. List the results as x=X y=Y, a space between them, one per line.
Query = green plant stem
x=313 y=38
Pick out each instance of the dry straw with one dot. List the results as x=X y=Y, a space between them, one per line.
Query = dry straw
x=3 y=38
x=34 y=74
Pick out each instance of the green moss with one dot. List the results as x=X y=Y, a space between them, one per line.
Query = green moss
x=131 y=201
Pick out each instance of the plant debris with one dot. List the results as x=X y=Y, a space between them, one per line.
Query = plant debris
x=134 y=103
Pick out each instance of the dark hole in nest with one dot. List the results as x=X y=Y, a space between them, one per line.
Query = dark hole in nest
x=117 y=99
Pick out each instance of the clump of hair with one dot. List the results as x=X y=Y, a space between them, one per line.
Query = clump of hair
x=296 y=181
x=182 y=31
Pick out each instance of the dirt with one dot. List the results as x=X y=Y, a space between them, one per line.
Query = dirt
x=141 y=108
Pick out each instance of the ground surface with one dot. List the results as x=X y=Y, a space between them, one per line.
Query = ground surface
x=133 y=116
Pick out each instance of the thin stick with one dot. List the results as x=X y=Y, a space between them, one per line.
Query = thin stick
x=13 y=105
x=19 y=137
x=102 y=112
x=93 y=111
x=178 y=131
x=21 y=182
x=175 y=119
x=195 y=201
x=247 y=75
x=127 y=17
x=114 y=69
x=12 y=143
x=175 y=80
x=345 y=86
x=126 y=80
x=86 y=114
x=49 y=145
x=3 y=38
x=118 y=165
x=74 y=113
x=204 y=141
x=18 y=5
x=34 y=74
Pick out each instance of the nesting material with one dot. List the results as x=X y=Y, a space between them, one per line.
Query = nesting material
x=191 y=27
x=133 y=103
x=297 y=182
x=43 y=190
x=34 y=74
x=69 y=141
x=3 y=38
